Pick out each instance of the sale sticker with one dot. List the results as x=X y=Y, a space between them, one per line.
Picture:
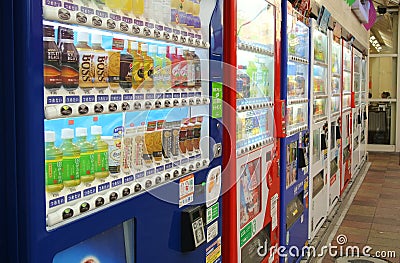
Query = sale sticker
x=186 y=190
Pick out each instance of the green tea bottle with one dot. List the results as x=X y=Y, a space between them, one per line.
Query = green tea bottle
x=86 y=164
x=70 y=159
x=101 y=169
x=53 y=164
x=252 y=72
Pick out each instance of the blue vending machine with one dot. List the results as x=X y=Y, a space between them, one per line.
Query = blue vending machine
x=295 y=137
x=118 y=135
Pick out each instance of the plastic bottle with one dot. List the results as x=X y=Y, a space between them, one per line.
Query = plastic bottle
x=183 y=68
x=158 y=64
x=197 y=133
x=126 y=63
x=189 y=13
x=246 y=80
x=53 y=164
x=197 y=69
x=138 y=145
x=196 y=15
x=52 y=60
x=265 y=85
x=100 y=63
x=175 y=67
x=127 y=149
x=114 y=62
x=114 y=5
x=148 y=9
x=71 y=159
x=138 y=7
x=175 y=6
x=148 y=66
x=86 y=163
x=182 y=12
x=101 y=169
x=69 y=59
x=166 y=68
x=126 y=6
x=137 y=66
x=183 y=132
x=86 y=67
x=252 y=73
x=190 y=81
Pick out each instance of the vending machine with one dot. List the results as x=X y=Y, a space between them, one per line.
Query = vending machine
x=346 y=121
x=356 y=111
x=119 y=151
x=294 y=161
x=251 y=178
x=318 y=196
x=335 y=135
x=364 y=107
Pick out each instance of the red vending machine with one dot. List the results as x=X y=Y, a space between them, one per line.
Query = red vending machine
x=251 y=180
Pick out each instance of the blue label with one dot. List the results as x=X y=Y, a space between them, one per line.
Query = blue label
x=159 y=95
x=74 y=196
x=139 y=96
x=159 y=169
x=198 y=156
x=150 y=172
x=54 y=3
x=197 y=94
x=168 y=166
x=191 y=35
x=150 y=96
x=176 y=31
x=176 y=95
x=86 y=10
x=139 y=175
x=88 y=98
x=55 y=100
x=103 y=187
x=72 y=99
x=127 y=20
x=198 y=36
x=138 y=22
x=116 y=97
x=184 y=95
x=71 y=7
x=191 y=94
x=89 y=191
x=168 y=95
x=184 y=33
x=101 y=14
x=149 y=25
x=103 y=98
x=168 y=29
x=177 y=163
x=128 y=96
x=159 y=27
x=57 y=201
x=129 y=178
x=116 y=182
x=184 y=160
x=115 y=17
x=191 y=158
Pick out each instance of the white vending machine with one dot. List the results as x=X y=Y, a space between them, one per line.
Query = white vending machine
x=319 y=130
x=335 y=139
x=356 y=112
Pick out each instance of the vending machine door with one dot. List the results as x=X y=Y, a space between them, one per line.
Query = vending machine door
x=120 y=131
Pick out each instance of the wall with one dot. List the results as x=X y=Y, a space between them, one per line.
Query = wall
x=343 y=14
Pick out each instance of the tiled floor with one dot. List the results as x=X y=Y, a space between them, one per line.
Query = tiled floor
x=374 y=216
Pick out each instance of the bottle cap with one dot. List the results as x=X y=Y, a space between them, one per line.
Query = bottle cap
x=97 y=39
x=80 y=132
x=96 y=130
x=134 y=45
x=49 y=136
x=172 y=49
x=67 y=133
x=144 y=47
x=83 y=36
x=153 y=48
x=179 y=51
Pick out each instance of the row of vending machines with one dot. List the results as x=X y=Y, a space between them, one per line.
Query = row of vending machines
x=176 y=131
